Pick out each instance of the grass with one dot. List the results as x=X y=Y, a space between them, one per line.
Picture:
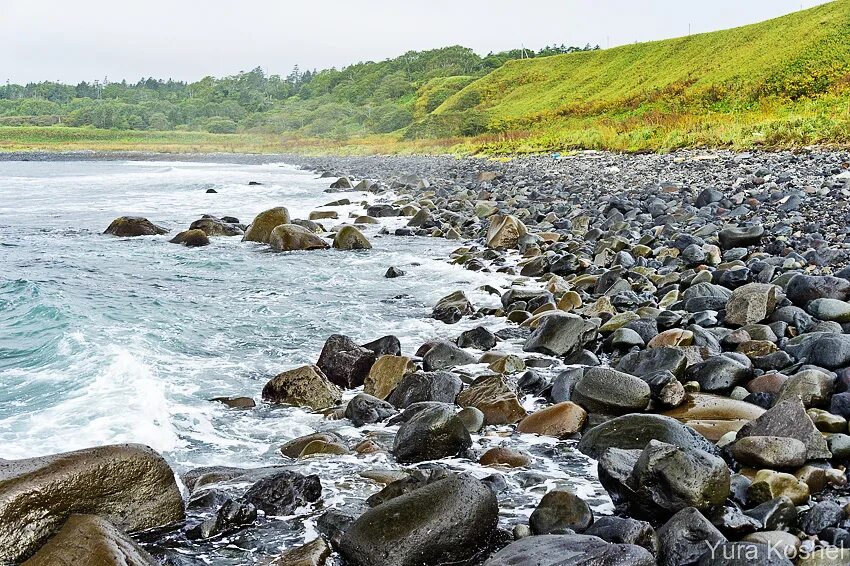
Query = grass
x=783 y=83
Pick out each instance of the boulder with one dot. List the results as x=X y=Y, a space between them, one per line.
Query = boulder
x=350 y=238
x=608 y=391
x=449 y=520
x=432 y=433
x=451 y=308
x=622 y=530
x=90 y=540
x=291 y=237
x=294 y=447
x=768 y=485
x=492 y=396
x=132 y=226
x=686 y=537
x=440 y=386
x=560 y=512
x=505 y=232
x=802 y=289
x=479 y=338
x=304 y=386
x=570 y=550
x=445 y=355
x=631 y=432
x=751 y=304
x=314 y=553
x=344 y=362
x=261 y=228
x=365 y=409
x=191 y=239
x=788 y=419
x=216 y=227
x=560 y=421
x=386 y=373
x=282 y=493
x=824 y=349
x=129 y=485
x=342 y=183
x=560 y=334
x=713 y=416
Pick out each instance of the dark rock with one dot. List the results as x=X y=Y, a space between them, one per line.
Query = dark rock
x=622 y=530
x=365 y=409
x=283 y=492
x=479 y=338
x=434 y=432
x=132 y=226
x=445 y=355
x=570 y=550
x=820 y=516
x=441 y=387
x=191 y=239
x=789 y=419
x=560 y=512
x=560 y=334
x=631 y=432
x=744 y=554
x=344 y=362
x=802 y=289
x=393 y=272
x=775 y=515
x=385 y=346
x=608 y=391
x=451 y=308
x=686 y=537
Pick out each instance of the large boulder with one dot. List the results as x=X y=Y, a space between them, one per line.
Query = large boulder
x=631 y=432
x=560 y=334
x=90 y=540
x=129 y=485
x=131 y=226
x=291 y=237
x=505 y=231
x=447 y=521
x=283 y=492
x=344 y=362
x=261 y=228
x=608 y=391
x=824 y=349
x=432 y=433
x=451 y=308
x=304 y=386
x=350 y=238
x=570 y=550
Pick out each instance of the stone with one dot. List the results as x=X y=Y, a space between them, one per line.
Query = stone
x=344 y=362
x=608 y=391
x=740 y=237
x=341 y=183
x=191 y=239
x=133 y=226
x=433 y=433
x=365 y=409
x=562 y=420
x=449 y=520
x=294 y=447
x=236 y=402
x=769 y=452
x=824 y=349
x=291 y=237
x=321 y=447
x=686 y=537
x=386 y=373
x=323 y=215
x=502 y=456
x=314 y=553
x=751 y=304
x=719 y=374
x=560 y=334
x=645 y=362
x=90 y=540
x=479 y=338
x=785 y=543
x=231 y=516
x=560 y=512
x=445 y=355
x=393 y=272
x=505 y=232
x=623 y=530
x=789 y=419
x=829 y=309
x=216 y=227
x=768 y=484
x=129 y=485
x=635 y=431
x=820 y=516
x=802 y=289
x=350 y=238
x=261 y=228
x=742 y=553
x=776 y=514
x=451 y=308
x=281 y=493
x=304 y=386
x=812 y=387
x=441 y=387
x=491 y=395
x=572 y=550
x=472 y=419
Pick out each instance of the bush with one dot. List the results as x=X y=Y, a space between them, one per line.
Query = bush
x=219 y=125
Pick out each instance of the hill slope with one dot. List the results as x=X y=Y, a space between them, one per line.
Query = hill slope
x=781 y=81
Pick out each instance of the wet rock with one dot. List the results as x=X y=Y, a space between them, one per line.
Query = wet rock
x=575 y=550
x=505 y=232
x=492 y=396
x=432 y=433
x=291 y=237
x=236 y=402
x=87 y=539
x=609 y=391
x=788 y=419
x=820 y=516
x=622 y=530
x=768 y=484
x=295 y=447
x=813 y=387
x=751 y=304
x=720 y=373
x=669 y=359
x=501 y=456
x=129 y=485
x=446 y=521
x=445 y=355
x=304 y=386
x=386 y=373
x=231 y=516
x=384 y=346
x=441 y=387
x=350 y=238
x=344 y=362
x=479 y=338
x=451 y=308
x=365 y=409
x=261 y=228
x=216 y=227
x=132 y=226
x=776 y=514
x=802 y=289
x=394 y=272
x=314 y=553
x=686 y=537
x=769 y=452
x=636 y=431
x=341 y=183
x=560 y=334
x=560 y=421
x=283 y=492
x=560 y=512
x=191 y=239
x=830 y=309
x=472 y=418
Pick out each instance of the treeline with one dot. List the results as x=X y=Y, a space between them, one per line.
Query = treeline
x=365 y=98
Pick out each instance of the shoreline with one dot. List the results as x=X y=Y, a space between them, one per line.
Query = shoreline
x=699 y=302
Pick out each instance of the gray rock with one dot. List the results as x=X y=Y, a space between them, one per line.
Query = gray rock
x=365 y=409
x=686 y=537
x=283 y=492
x=623 y=530
x=560 y=334
x=631 y=432
x=802 y=289
x=445 y=355
x=789 y=419
x=440 y=386
x=560 y=512
x=434 y=432
x=773 y=452
x=572 y=550
x=609 y=391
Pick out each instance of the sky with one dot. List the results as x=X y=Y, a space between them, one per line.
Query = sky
x=75 y=40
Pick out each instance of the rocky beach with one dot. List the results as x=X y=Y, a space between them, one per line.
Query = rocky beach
x=647 y=364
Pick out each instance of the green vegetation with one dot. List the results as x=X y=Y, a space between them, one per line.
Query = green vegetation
x=780 y=83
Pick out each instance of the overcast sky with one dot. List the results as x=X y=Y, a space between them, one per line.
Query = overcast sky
x=74 y=40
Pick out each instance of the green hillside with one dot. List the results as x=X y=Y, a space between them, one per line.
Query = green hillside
x=783 y=81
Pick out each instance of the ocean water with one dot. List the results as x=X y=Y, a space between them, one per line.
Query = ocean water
x=106 y=340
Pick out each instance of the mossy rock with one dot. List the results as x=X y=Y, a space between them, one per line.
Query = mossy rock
x=291 y=237
x=132 y=226
x=261 y=228
x=191 y=238
x=350 y=238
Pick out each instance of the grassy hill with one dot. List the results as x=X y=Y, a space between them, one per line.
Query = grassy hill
x=784 y=81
